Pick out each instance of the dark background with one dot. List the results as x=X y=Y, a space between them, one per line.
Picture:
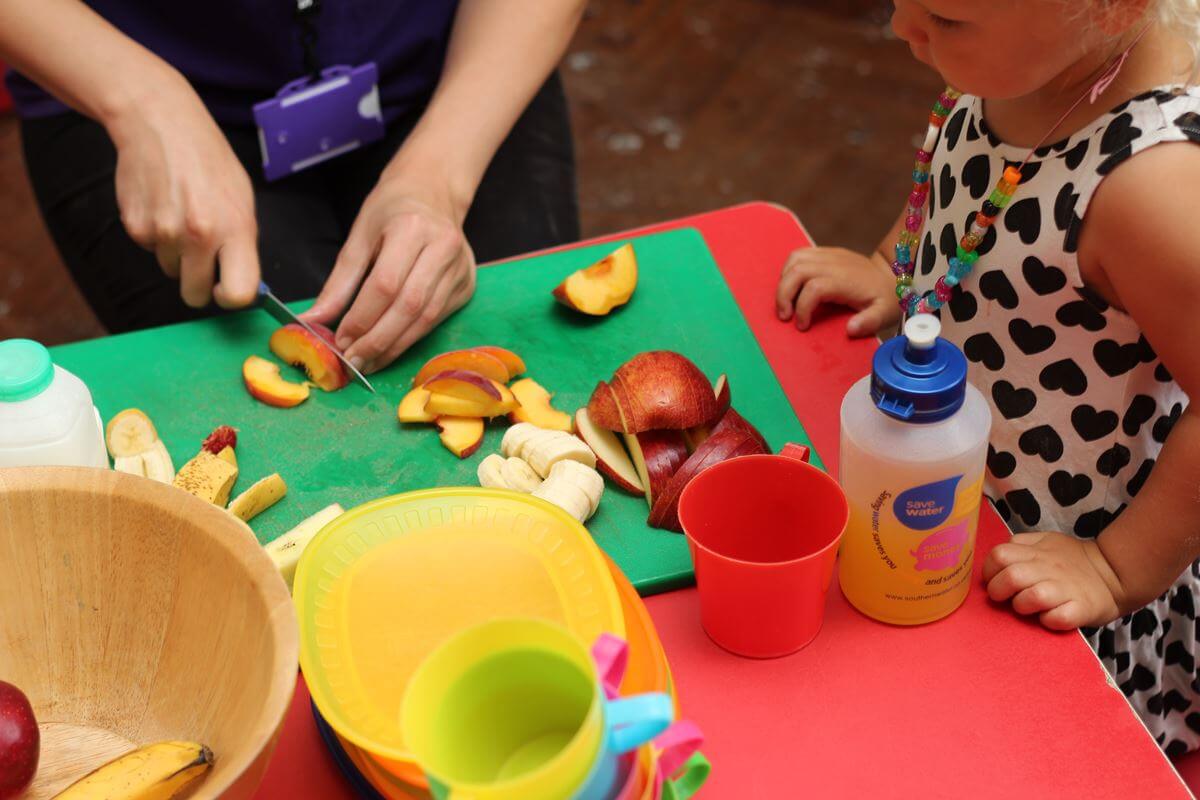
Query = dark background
x=679 y=106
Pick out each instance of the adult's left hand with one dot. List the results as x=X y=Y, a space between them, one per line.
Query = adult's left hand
x=408 y=242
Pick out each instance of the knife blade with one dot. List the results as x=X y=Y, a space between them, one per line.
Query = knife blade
x=276 y=308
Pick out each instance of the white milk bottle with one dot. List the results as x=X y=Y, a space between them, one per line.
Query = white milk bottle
x=913 y=449
x=46 y=413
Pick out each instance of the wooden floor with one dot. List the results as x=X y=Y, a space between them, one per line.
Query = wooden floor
x=679 y=106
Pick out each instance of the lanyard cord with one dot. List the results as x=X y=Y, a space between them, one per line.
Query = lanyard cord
x=306 y=12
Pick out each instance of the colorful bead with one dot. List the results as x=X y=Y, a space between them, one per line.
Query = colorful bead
x=968 y=242
x=903 y=291
x=916 y=199
x=967 y=257
x=951 y=279
x=990 y=209
x=912 y=222
x=983 y=221
x=903 y=253
x=1012 y=175
x=923 y=306
x=942 y=291
x=940 y=109
x=935 y=120
x=919 y=176
x=900 y=269
x=924 y=156
x=946 y=100
x=999 y=200
x=977 y=230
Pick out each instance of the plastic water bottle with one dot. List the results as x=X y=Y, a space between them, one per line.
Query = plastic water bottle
x=913 y=450
x=46 y=413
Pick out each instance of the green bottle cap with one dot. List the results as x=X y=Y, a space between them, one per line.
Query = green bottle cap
x=25 y=369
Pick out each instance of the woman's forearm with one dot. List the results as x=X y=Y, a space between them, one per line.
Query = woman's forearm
x=77 y=56
x=498 y=57
x=1158 y=535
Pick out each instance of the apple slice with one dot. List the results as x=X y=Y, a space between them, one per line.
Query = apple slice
x=662 y=390
x=475 y=361
x=598 y=289
x=611 y=458
x=719 y=447
x=698 y=434
x=265 y=384
x=602 y=408
x=512 y=362
x=656 y=455
x=732 y=420
x=412 y=406
x=460 y=435
x=295 y=345
x=535 y=407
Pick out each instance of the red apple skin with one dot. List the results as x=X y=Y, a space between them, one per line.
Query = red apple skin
x=663 y=390
x=665 y=452
x=717 y=448
x=732 y=420
x=602 y=408
x=20 y=742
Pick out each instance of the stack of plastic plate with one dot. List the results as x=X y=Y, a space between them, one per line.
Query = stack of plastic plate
x=387 y=582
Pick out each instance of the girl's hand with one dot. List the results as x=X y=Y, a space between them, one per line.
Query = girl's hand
x=1066 y=581
x=815 y=275
x=409 y=235
x=185 y=197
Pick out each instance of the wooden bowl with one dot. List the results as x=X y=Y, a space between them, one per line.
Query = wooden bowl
x=134 y=612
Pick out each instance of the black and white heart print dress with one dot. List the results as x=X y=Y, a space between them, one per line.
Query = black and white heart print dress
x=1081 y=404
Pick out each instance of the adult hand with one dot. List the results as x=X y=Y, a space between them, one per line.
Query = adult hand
x=815 y=275
x=1066 y=581
x=408 y=243
x=185 y=197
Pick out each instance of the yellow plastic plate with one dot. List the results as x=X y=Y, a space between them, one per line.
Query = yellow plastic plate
x=384 y=584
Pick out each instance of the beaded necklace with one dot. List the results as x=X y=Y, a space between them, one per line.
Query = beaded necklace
x=961 y=263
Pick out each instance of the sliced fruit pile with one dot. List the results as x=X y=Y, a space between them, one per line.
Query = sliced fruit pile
x=551 y=464
x=458 y=390
x=674 y=423
x=294 y=345
x=598 y=289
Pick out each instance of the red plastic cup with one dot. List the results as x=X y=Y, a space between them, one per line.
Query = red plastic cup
x=764 y=533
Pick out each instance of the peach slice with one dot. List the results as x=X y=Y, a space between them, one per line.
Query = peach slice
x=475 y=361
x=657 y=455
x=265 y=384
x=295 y=345
x=465 y=385
x=611 y=458
x=598 y=289
x=460 y=435
x=535 y=407
x=412 y=406
x=513 y=362
x=448 y=405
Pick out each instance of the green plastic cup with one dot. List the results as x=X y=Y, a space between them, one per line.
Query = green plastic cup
x=513 y=709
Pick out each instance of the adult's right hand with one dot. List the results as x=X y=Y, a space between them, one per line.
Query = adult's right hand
x=185 y=197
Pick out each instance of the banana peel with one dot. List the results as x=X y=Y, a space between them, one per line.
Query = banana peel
x=208 y=477
x=155 y=772
x=286 y=550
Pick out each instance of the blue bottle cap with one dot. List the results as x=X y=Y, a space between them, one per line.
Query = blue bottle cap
x=918 y=377
x=25 y=370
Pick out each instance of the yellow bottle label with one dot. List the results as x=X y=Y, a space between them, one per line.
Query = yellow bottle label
x=906 y=557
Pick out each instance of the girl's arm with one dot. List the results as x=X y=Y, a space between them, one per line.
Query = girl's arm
x=409 y=231
x=183 y=195
x=1140 y=230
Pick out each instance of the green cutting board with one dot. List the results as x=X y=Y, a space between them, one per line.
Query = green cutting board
x=348 y=448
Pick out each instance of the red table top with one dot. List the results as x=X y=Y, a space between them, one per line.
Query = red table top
x=981 y=704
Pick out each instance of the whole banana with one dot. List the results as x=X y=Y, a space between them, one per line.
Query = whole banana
x=154 y=772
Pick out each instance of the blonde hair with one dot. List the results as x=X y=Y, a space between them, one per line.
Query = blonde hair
x=1182 y=17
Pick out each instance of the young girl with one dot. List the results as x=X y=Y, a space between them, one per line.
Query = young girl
x=1080 y=316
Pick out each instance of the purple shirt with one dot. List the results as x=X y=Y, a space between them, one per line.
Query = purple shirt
x=238 y=52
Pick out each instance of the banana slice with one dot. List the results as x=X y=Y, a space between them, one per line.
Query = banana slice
x=535 y=440
x=157 y=464
x=519 y=475
x=287 y=549
x=565 y=495
x=258 y=498
x=583 y=476
x=131 y=465
x=516 y=436
x=544 y=454
x=489 y=473
x=129 y=433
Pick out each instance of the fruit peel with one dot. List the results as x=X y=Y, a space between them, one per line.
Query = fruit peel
x=261 y=495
